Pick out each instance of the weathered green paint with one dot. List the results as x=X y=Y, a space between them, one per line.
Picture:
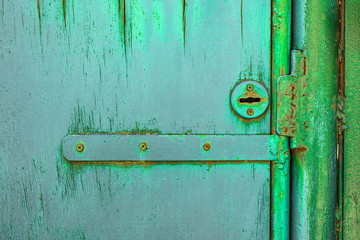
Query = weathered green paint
x=135 y=67
x=280 y=65
x=351 y=172
x=281 y=191
x=280 y=54
x=314 y=150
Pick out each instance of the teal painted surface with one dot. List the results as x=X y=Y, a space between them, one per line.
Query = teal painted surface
x=74 y=67
x=159 y=83
x=158 y=202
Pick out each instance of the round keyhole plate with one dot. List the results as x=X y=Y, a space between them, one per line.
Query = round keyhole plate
x=249 y=99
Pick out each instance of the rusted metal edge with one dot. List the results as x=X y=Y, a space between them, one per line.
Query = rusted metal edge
x=341 y=126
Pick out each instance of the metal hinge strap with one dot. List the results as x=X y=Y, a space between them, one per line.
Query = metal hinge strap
x=292 y=99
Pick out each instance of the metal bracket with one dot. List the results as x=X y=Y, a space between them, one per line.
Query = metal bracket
x=103 y=147
x=292 y=99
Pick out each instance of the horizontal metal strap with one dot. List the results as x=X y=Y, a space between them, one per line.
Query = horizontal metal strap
x=103 y=147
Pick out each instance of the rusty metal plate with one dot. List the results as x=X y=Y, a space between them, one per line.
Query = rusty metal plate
x=249 y=99
x=103 y=147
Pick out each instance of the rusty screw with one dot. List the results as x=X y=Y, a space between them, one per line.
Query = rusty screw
x=207 y=146
x=143 y=146
x=80 y=147
x=250 y=87
x=250 y=111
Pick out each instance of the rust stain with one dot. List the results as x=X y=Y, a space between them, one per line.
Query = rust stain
x=306 y=126
x=129 y=164
x=143 y=146
x=304 y=67
x=241 y=12
x=122 y=15
x=124 y=24
x=80 y=147
x=285 y=130
x=207 y=146
x=339 y=231
x=250 y=87
x=184 y=21
x=64 y=11
x=300 y=149
x=250 y=121
x=341 y=44
x=251 y=94
x=282 y=72
x=38 y=7
x=250 y=112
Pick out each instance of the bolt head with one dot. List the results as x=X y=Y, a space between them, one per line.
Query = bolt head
x=250 y=112
x=206 y=146
x=250 y=87
x=80 y=147
x=143 y=146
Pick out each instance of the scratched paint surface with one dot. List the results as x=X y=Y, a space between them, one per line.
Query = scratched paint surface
x=136 y=66
x=162 y=80
x=160 y=202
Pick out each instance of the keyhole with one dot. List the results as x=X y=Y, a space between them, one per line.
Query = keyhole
x=249 y=100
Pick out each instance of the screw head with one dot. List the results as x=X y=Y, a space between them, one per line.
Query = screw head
x=250 y=87
x=80 y=147
x=143 y=146
x=250 y=112
x=207 y=146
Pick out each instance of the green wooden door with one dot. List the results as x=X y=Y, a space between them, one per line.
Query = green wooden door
x=117 y=123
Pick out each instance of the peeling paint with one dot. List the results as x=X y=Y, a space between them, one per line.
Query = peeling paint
x=184 y=20
x=242 y=22
x=122 y=16
x=39 y=14
x=64 y=11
